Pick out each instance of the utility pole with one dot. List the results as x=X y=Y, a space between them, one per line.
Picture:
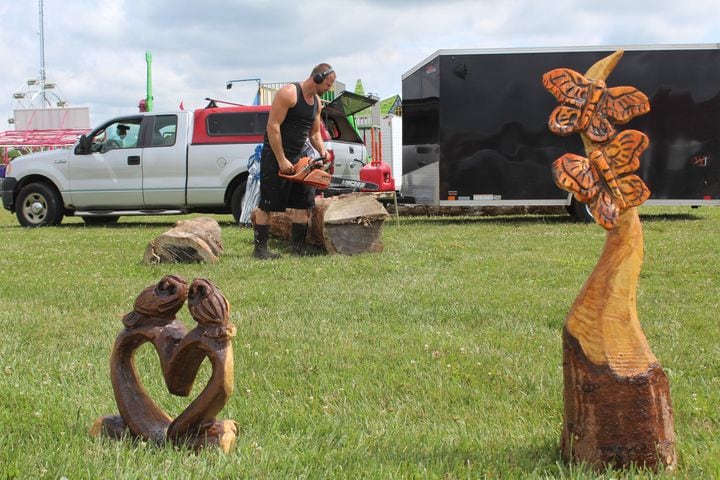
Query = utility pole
x=149 y=95
x=43 y=99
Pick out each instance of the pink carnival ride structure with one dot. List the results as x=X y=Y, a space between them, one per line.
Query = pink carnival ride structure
x=27 y=141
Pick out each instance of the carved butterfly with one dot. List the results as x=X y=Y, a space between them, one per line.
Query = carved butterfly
x=606 y=181
x=589 y=106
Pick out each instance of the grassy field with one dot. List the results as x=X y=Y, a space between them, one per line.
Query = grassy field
x=438 y=358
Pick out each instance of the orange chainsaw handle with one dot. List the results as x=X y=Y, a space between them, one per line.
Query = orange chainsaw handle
x=309 y=171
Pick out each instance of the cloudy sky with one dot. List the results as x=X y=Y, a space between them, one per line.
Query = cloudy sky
x=95 y=49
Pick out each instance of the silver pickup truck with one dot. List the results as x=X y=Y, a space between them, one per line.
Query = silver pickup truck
x=157 y=163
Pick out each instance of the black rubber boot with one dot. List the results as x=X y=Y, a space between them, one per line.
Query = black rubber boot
x=298 y=233
x=262 y=232
x=297 y=236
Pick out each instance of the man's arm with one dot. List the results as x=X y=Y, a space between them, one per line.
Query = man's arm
x=284 y=101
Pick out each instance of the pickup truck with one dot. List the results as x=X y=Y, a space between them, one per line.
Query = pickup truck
x=157 y=163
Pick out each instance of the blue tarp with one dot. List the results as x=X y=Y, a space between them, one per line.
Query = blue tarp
x=252 y=188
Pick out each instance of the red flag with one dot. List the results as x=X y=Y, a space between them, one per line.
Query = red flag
x=182 y=107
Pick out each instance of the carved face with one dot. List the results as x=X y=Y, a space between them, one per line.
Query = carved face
x=207 y=304
x=164 y=299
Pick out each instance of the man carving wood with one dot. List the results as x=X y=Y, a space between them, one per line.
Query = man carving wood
x=294 y=117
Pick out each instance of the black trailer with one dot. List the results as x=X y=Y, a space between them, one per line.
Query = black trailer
x=475 y=125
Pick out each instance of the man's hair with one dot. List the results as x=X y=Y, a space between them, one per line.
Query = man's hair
x=321 y=68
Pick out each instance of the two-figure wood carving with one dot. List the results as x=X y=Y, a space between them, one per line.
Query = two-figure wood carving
x=181 y=353
x=617 y=408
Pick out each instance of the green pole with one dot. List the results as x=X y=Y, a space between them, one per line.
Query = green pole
x=149 y=96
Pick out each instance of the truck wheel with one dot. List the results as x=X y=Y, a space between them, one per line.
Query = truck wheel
x=38 y=205
x=581 y=212
x=101 y=220
x=236 y=200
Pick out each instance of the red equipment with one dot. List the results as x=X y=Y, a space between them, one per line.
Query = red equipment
x=377 y=171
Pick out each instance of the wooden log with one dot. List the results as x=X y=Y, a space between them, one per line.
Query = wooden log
x=617 y=397
x=346 y=224
x=197 y=240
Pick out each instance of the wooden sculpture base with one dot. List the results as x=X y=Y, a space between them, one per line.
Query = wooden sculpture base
x=221 y=433
x=613 y=420
x=617 y=398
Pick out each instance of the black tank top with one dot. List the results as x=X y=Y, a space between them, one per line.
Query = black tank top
x=296 y=126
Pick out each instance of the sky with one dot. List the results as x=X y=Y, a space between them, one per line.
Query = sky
x=95 y=50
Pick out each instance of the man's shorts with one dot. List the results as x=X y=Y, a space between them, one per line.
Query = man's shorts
x=278 y=194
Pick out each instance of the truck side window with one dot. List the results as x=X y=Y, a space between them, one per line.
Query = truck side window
x=164 y=131
x=123 y=134
x=237 y=123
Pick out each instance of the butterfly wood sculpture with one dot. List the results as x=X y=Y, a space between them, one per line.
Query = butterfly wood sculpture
x=617 y=410
x=605 y=181
x=589 y=106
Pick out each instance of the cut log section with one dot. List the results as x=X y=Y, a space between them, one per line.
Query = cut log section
x=197 y=240
x=346 y=224
x=617 y=397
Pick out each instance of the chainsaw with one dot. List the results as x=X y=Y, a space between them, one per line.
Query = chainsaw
x=311 y=171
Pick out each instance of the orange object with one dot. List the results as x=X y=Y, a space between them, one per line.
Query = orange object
x=606 y=181
x=309 y=171
x=590 y=106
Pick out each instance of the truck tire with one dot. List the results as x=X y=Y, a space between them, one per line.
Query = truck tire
x=38 y=205
x=581 y=212
x=236 y=200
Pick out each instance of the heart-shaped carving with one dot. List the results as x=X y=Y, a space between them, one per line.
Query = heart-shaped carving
x=181 y=353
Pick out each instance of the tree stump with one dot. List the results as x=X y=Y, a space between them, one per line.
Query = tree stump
x=197 y=240
x=346 y=224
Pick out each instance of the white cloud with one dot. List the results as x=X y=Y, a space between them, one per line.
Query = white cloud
x=95 y=50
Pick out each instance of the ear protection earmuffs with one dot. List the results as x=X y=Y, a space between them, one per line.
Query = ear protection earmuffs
x=320 y=76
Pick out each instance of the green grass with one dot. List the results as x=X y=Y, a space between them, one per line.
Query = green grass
x=438 y=358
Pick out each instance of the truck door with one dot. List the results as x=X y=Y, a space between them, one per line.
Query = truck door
x=110 y=174
x=164 y=161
